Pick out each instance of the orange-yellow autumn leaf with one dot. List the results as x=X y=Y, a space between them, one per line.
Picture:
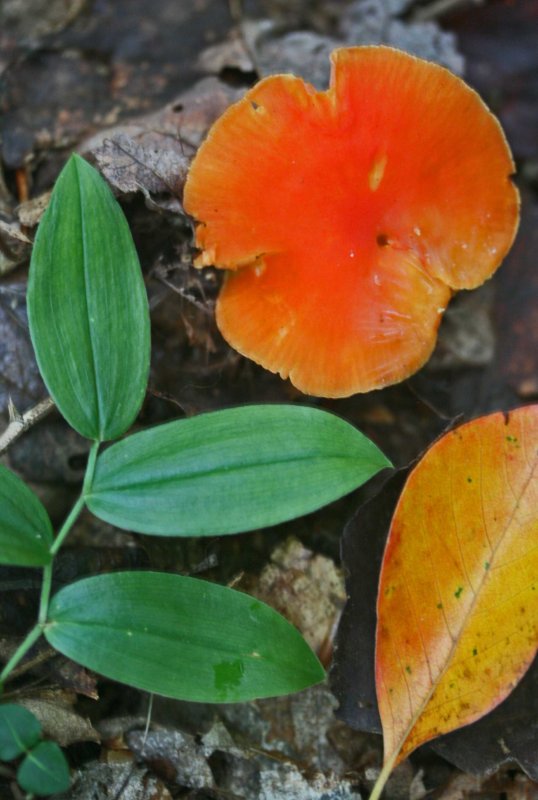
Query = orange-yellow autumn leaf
x=458 y=595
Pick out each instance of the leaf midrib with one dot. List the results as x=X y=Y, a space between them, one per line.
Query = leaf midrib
x=85 y=279
x=180 y=478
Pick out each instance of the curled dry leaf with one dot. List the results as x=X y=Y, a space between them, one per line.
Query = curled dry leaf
x=181 y=124
x=158 y=166
x=14 y=246
x=31 y=211
x=232 y=53
x=59 y=720
x=458 y=594
x=150 y=154
x=307 y=589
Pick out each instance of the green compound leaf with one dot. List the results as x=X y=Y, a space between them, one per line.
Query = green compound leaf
x=180 y=637
x=19 y=731
x=25 y=528
x=44 y=771
x=87 y=306
x=231 y=471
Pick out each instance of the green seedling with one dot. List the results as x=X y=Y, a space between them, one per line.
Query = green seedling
x=219 y=473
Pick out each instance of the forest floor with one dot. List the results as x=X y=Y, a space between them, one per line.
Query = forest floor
x=134 y=86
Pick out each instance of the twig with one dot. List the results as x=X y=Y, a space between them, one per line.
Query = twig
x=32 y=663
x=236 y=10
x=159 y=273
x=19 y=423
x=130 y=774
x=439 y=7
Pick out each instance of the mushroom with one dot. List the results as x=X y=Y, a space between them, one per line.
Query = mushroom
x=348 y=217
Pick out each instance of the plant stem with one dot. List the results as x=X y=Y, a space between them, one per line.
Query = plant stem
x=20 y=652
x=44 y=599
x=77 y=508
x=68 y=524
x=37 y=630
x=45 y=594
x=438 y=8
x=90 y=469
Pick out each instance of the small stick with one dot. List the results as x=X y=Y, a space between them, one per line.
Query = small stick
x=21 y=182
x=236 y=10
x=19 y=423
x=32 y=663
x=439 y=7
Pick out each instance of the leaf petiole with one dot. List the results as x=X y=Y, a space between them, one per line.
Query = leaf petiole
x=90 y=468
x=79 y=505
x=383 y=777
x=45 y=594
x=68 y=524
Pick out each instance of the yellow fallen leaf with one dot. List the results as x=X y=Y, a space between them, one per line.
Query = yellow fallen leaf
x=458 y=595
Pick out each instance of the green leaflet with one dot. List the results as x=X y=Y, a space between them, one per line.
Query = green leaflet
x=25 y=528
x=19 y=731
x=180 y=637
x=231 y=471
x=87 y=306
x=45 y=770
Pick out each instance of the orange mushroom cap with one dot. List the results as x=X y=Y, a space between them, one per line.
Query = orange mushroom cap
x=347 y=217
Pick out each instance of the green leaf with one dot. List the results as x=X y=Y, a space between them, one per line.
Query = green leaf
x=19 y=731
x=25 y=528
x=87 y=306
x=44 y=771
x=230 y=471
x=180 y=637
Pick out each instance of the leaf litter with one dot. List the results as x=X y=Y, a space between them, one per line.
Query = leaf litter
x=296 y=32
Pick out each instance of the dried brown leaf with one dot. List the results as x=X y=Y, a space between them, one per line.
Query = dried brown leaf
x=307 y=588
x=155 y=164
x=55 y=711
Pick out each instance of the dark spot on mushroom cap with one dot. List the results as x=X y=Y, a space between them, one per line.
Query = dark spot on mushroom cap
x=382 y=240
